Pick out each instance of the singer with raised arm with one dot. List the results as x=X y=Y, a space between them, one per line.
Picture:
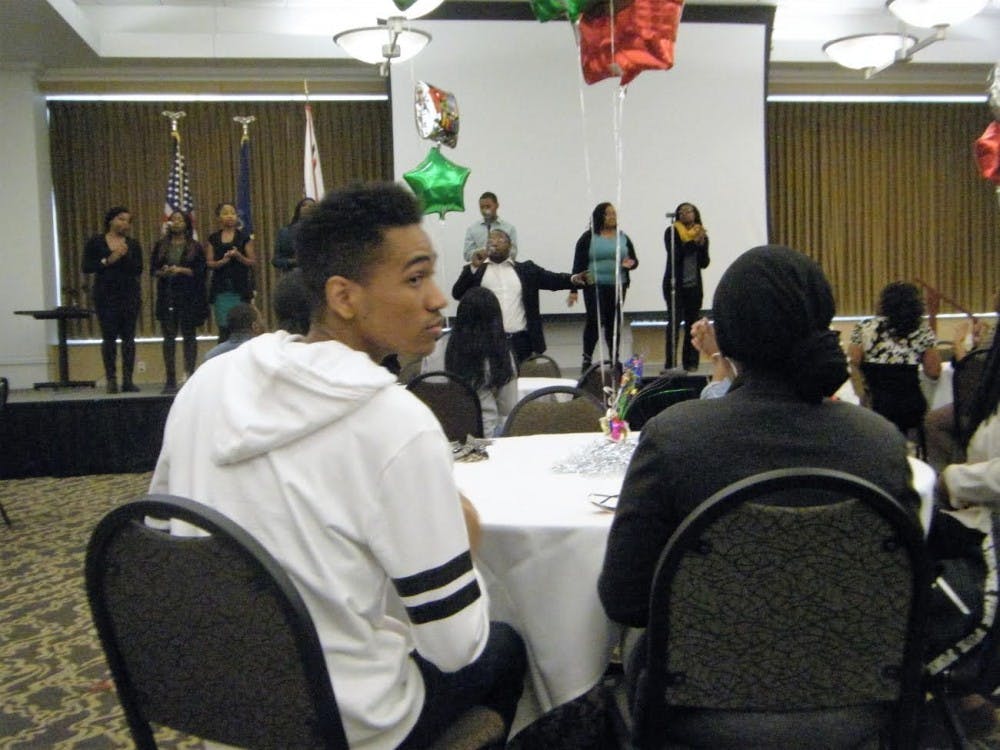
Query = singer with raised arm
x=478 y=234
x=686 y=243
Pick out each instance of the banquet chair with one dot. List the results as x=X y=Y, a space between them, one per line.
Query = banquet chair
x=539 y=366
x=539 y=414
x=966 y=375
x=4 y=393
x=599 y=376
x=453 y=402
x=251 y=672
x=660 y=394
x=778 y=626
x=199 y=632
x=894 y=392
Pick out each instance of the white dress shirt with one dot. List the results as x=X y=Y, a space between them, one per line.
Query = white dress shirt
x=503 y=281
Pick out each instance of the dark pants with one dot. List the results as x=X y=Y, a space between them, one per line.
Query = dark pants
x=118 y=321
x=520 y=345
x=689 y=309
x=190 y=337
x=494 y=680
x=599 y=300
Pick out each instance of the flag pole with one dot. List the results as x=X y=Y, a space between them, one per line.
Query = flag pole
x=243 y=207
x=175 y=133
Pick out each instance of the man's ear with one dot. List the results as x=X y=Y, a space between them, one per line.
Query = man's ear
x=341 y=296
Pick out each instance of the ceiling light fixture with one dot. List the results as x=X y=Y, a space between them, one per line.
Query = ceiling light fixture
x=386 y=43
x=873 y=53
x=928 y=14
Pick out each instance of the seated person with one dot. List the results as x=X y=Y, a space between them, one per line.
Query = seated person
x=516 y=285
x=243 y=323
x=477 y=351
x=346 y=478
x=898 y=335
x=723 y=373
x=976 y=482
x=944 y=446
x=772 y=308
x=291 y=304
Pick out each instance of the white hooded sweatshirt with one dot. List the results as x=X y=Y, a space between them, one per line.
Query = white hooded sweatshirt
x=346 y=478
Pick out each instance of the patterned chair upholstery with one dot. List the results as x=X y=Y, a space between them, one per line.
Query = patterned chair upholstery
x=539 y=366
x=779 y=626
x=539 y=414
x=453 y=402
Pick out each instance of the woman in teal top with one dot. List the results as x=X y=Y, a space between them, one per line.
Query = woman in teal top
x=597 y=251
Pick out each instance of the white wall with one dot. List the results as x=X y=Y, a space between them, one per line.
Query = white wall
x=25 y=213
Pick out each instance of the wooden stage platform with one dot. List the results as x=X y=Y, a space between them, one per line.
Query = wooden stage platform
x=75 y=431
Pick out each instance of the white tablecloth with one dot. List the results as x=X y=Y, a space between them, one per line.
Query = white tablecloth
x=541 y=553
x=530 y=385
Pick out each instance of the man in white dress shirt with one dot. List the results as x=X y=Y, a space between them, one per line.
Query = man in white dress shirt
x=477 y=234
x=516 y=285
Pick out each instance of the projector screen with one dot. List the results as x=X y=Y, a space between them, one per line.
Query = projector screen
x=552 y=147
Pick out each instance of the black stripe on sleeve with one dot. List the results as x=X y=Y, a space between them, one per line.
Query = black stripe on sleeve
x=434 y=578
x=443 y=608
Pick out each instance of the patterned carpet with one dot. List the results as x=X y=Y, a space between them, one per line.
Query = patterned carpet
x=54 y=693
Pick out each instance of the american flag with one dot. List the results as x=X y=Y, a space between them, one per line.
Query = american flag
x=178 y=190
x=313 y=170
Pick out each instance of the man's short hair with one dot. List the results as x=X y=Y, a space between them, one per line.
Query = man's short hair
x=343 y=235
x=491 y=196
x=242 y=318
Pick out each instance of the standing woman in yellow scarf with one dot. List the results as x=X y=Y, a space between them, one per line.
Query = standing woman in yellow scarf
x=690 y=248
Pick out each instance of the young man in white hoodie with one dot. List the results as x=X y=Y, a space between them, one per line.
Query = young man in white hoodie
x=346 y=478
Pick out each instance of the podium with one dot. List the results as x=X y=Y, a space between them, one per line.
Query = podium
x=61 y=314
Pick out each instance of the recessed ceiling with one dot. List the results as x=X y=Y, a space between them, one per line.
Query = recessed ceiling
x=48 y=34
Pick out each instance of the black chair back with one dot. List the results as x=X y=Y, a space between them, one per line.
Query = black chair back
x=895 y=393
x=4 y=391
x=453 y=402
x=660 y=394
x=775 y=610
x=539 y=366
x=541 y=412
x=598 y=377
x=967 y=374
x=206 y=634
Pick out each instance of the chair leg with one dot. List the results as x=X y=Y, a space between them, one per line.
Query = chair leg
x=6 y=518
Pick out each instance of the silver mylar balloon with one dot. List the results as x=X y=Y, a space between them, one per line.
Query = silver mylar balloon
x=994 y=91
x=436 y=113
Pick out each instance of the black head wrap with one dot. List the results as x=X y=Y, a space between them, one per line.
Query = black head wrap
x=772 y=309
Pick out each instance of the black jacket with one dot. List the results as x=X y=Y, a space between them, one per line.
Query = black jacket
x=533 y=277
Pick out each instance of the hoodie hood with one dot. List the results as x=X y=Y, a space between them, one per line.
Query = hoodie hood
x=276 y=389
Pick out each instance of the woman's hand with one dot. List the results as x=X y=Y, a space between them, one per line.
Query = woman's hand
x=571 y=298
x=628 y=262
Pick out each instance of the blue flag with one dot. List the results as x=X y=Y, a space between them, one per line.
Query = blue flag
x=243 y=188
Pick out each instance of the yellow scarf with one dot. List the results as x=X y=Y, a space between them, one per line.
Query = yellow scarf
x=685 y=234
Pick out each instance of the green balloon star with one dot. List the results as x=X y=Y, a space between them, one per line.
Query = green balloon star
x=438 y=183
x=546 y=10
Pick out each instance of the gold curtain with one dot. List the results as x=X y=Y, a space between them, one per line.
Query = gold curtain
x=107 y=154
x=878 y=192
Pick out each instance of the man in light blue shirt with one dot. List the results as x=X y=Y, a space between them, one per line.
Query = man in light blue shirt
x=476 y=236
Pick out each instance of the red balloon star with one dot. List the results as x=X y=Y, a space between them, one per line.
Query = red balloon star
x=644 y=33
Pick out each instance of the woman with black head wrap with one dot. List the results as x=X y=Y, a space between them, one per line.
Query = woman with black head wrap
x=773 y=309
